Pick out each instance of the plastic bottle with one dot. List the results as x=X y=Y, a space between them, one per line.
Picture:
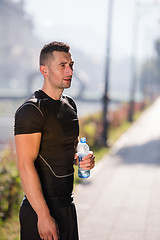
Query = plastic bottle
x=83 y=150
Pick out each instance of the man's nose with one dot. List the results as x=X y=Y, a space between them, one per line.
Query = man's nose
x=69 y=70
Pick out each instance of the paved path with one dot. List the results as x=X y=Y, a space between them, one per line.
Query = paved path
x=121 y=200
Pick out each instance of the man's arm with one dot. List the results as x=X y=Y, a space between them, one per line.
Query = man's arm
x=27 y=148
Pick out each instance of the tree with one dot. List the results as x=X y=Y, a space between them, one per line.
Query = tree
x=150 y=74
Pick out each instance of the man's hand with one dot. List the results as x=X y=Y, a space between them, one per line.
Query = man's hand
x=48 y=228
x=88 y=162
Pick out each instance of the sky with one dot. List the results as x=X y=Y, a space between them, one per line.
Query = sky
x=79 y=23
x=82 y=23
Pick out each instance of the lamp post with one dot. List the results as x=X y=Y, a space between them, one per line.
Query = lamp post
x=133 y=63
x=105 y=97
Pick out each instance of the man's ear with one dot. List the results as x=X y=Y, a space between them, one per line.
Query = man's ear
x=44 y=70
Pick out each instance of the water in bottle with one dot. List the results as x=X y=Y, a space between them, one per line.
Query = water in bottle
x=83 y=150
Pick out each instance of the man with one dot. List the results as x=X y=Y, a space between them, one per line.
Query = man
x=46 y=135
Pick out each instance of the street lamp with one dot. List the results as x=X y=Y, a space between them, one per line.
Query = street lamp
x=105 y=97
x=133 y=63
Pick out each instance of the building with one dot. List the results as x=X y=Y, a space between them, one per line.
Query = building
x=18 y=45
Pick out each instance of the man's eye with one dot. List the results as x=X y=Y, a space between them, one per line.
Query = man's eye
x=71 y=66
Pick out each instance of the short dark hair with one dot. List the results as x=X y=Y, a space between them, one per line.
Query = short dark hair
x=48 y=49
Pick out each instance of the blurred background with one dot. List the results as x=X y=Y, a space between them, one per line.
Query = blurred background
x=115 y=45
x=116 y=48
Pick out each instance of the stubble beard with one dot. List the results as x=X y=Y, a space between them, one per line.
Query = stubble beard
x=67 y=84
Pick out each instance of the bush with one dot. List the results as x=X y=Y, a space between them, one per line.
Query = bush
x=10 y=185
x=91 y=128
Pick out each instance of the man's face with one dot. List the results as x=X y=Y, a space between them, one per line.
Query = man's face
x=60 y=70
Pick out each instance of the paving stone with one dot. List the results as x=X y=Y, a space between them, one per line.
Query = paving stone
x=121 y=199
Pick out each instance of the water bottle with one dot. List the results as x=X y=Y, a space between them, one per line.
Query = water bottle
x=83 y=150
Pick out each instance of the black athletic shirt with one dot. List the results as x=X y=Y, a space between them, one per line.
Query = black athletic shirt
x=58 y=122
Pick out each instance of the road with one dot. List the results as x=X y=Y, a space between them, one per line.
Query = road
x=121 y=199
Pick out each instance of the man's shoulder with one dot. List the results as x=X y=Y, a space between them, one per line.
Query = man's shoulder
x=70 y=101
x=68 y=98
x=29 y=117
x=33 y=103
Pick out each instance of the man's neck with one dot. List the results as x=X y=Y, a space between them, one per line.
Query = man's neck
x=55 y=94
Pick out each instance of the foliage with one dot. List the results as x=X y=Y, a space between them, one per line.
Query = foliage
x=10 y=229
x=91 y=128
x=150 y=75
x=10 y=185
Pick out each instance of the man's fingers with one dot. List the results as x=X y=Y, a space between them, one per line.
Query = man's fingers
x=89 y=156
x=87 y=164
x=58 y=232
x=50 y=238
x=41 y=236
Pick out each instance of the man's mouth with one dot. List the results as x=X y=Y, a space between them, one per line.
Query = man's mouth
x=68 y=79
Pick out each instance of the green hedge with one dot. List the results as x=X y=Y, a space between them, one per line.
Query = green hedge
x=10 y=185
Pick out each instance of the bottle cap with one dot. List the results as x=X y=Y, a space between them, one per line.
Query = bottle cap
x=83 y=140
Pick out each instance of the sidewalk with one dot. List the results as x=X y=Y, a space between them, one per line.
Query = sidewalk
x=121 y=199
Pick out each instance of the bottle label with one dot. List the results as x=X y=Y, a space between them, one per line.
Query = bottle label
x=80 y=156
x=81 y=172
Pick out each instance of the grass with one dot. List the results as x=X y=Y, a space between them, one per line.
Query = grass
x=115 y=133
x=10 y=229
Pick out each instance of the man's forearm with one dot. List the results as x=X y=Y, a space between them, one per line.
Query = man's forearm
x=33 y=190
x=47 y=227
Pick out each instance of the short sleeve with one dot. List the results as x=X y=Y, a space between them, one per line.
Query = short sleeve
x=28 y=119
x=71 y=101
